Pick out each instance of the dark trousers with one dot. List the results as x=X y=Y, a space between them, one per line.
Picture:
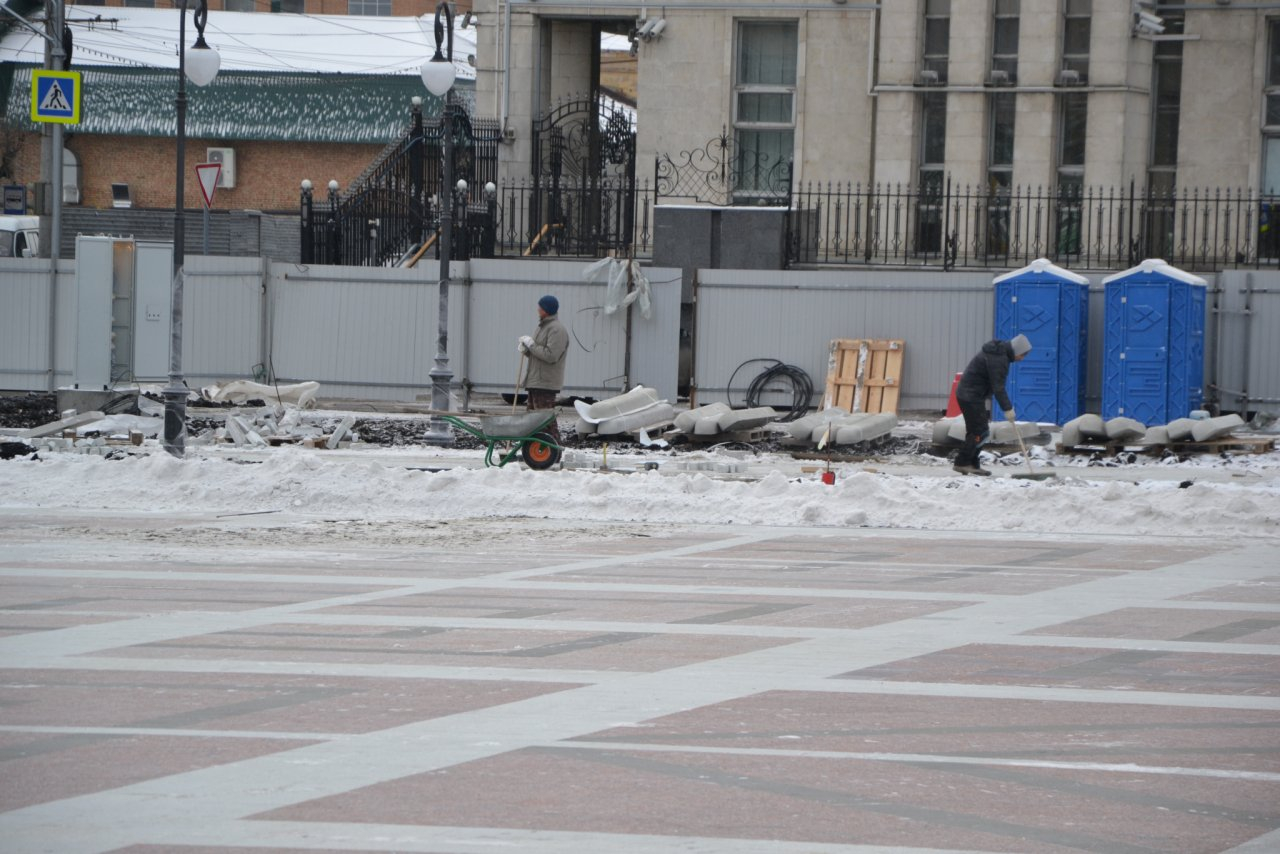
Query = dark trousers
x=542 y=398
x=976 y=430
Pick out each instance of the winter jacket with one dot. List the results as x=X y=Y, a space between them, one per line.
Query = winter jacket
x=986 y=374
x=546 y=356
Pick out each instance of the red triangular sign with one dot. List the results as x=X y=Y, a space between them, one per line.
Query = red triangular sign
x=208 y=174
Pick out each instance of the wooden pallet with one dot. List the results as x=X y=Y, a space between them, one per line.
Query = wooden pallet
x=1237 y=444
x=864 y=375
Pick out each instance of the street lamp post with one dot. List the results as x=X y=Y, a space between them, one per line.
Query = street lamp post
x=438 y=75
x=202 y=68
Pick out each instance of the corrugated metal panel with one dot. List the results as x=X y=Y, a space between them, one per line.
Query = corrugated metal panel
x=359 y=331
x=504 y=296
x=222 y=306
x=793 y=316
x=371 y=333
x=1246 y=349
x=24 y=324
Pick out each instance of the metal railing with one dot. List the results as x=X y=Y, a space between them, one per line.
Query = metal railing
x=1089 y=228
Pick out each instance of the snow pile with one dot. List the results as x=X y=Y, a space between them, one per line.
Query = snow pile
x=376 y=484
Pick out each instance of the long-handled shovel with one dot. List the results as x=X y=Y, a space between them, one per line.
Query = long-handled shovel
x=1031 y=474
x=519 y=372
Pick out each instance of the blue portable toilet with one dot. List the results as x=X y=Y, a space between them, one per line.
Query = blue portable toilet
x=1050 y=306
x=1153 y=349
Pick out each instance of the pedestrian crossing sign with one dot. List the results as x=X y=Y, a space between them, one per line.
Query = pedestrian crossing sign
x=55 y=96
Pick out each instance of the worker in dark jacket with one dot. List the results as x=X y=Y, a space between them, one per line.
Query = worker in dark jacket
x=546 y=349
x=985 y=377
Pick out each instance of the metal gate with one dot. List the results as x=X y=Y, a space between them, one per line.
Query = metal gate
x=584 y=179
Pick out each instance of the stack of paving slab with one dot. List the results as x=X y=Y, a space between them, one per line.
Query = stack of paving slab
x=1090 y=430
x=716 y=422
x=950 y=431
x=629 y=413
x=836 y=426
x=63 y=435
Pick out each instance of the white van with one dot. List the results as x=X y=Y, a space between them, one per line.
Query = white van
x=19 y=236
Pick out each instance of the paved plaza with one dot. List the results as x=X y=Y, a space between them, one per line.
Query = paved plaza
x=178 y=683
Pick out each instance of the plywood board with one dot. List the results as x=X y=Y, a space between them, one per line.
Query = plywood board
x=863 y=374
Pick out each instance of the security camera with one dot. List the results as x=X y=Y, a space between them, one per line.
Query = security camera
x=1148 y=24
x=658 y=28
x=646 y=28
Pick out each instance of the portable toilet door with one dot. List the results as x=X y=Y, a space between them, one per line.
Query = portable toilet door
x=1049 y=305
x=1153 y=351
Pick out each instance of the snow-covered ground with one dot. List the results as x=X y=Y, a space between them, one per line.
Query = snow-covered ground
x=1207 y=495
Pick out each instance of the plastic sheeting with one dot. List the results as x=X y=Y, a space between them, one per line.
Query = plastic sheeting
x=618 y=294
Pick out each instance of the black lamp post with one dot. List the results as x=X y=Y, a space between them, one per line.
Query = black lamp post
x=438 y=75
x=202 y=68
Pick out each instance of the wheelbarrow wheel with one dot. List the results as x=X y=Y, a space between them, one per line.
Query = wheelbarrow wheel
x=540 y=452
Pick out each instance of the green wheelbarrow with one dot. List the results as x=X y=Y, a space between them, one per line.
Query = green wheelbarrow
x=526 y=434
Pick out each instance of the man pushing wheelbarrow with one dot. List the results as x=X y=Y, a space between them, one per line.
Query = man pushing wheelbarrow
x=546 y=350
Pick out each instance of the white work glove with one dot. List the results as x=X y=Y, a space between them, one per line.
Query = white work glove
x=1011 y=416
x=525 y=343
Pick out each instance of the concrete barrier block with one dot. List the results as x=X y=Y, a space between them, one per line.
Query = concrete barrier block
x=1091 y=426
x=1216 y=428
x=1180 y=428
x=873 y=426
x=1004 y=433
x=747 y=419
x=802 y=428
x=942 y=430
x=821 y=428
x=659 y=414
x=637 y=399
x=1123 y=429
x=684 y=421
x=1157 y=435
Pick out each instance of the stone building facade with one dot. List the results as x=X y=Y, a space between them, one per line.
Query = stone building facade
x=991 y=93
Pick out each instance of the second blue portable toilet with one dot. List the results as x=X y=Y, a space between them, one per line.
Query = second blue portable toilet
x=1153 y=349
x=1050 y=306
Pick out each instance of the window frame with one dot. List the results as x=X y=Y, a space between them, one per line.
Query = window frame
x=783 y=131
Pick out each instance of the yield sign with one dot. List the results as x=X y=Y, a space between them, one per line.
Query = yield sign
x=208 y=174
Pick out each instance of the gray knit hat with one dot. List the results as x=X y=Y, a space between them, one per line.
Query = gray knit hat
x=1020 y=344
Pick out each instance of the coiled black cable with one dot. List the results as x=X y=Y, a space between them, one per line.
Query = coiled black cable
x=777 y=372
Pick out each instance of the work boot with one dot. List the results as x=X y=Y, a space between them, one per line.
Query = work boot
x=978 y=470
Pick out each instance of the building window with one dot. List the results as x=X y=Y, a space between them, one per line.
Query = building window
x=1001 y=112
x=1269 y=214
x=1162 y=173
x=239 y=5
x=999 y=172
x=1076 y=31
x=764 y=108
x=937 y=39
x=141 y=4
x=1073 y=116
x=933 y=126
x=368 y=7
x=1004 y=42
x=291 y=7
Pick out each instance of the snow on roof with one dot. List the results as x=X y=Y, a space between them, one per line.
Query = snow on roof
x=249 y=41
x=1046 y=267
x=1160 y=267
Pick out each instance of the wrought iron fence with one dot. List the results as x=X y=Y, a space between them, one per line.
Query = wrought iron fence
x=567 y=219
x=393 y=208
x=723 y=173
x=1084 y=228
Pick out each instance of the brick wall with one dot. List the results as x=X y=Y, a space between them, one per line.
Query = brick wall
x=268 y=174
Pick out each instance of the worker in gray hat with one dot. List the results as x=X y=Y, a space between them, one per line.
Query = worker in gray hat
x=985 y=376
x=546 y=349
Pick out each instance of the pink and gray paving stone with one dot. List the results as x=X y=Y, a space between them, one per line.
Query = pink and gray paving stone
x=198 y=685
